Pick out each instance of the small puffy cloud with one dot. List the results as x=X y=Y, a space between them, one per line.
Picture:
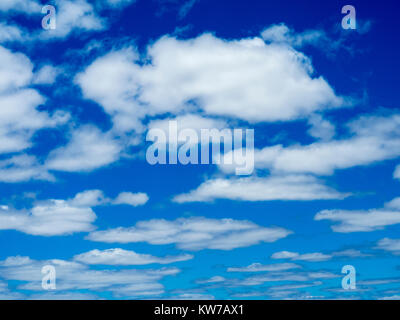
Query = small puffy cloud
x=280 y=33
x=193 y=233
x=258 y=267
x=359 y=221
x=122 y=257
x=396 y=173
x=89 y=198
x=46 y=75
x=295 y=187
x=312 y=257
x=88 y=149
x=320 y=128
x=92 y=198
x=51 y=218
x=132 y=199
x=391 y=245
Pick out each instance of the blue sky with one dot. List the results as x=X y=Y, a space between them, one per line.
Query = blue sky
x=77 y=193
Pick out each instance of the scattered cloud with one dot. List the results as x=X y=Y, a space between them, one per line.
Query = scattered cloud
x=258 y=267
x=294 y=187
x=73 y=276
x=120 y=257
x=359 y=220
x=312 y=257
x=88 y=149
x=391 y=245
x=194 y=233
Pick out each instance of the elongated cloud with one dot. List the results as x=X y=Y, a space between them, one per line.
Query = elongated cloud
x=120 y=257
x=193 y=233
x=261 y=189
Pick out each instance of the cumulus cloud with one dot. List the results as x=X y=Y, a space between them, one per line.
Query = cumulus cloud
x=238 y=78
x=88 y=149
x=373 y=139
x=54 y=217
x=294 y=187
x=73 y=275
x=23 y=168
x=20 y=119
x=73 y=16
x=124 y=257
x=91 y=198
x=193 y=233
x=360 y=220
x=64 y=217
x=132 y=199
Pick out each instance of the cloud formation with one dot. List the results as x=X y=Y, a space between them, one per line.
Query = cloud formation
x=193 y=233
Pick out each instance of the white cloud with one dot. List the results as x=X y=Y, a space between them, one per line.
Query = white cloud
x=88 y=149
x=320 y=128
x=283 y=35
x=258 y=267
x=50 y=218
x=351 y=253
x=19 y=118
x=214 y=279
x=193 y=233
x=188 y=121
x=239 y=78
x=295 y=187
x=312 y=257
x=28 y=6
x=10 y=33
x=396 y=173
x=46 y=75
x=373 y=139
x=391 y=245
x=92 y=198
x=23 y=168
x=132 y=199
x=124 y=257
x=359 y=220
x=73 y=16
x=88 y=198
x=393 y=204
x=112 y=82
x=77 y=276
